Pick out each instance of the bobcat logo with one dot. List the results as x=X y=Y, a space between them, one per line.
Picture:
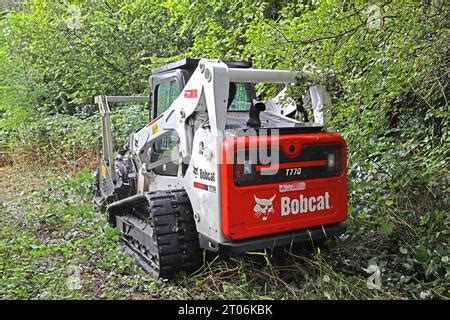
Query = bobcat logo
x=263 y=207
x=195 y=171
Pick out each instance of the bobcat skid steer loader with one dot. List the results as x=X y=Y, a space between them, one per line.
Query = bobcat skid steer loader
x=217 y=170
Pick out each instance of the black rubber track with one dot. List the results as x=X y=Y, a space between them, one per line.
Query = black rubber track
x=159 y=229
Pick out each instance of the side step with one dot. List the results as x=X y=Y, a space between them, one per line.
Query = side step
x=158 y=228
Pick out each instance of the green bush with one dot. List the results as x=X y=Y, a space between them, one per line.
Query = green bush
x=71 y=139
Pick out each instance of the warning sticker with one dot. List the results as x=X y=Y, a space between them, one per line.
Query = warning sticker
x=155 y=128
x=190 y=93
x=205 y=187
x=292 y=187
x=103 y=170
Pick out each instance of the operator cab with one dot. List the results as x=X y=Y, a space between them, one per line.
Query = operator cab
x=168 y=81
x=244 y=111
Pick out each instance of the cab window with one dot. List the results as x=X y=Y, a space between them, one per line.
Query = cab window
x=240 y=96
x=165 y=150
x=166 y=92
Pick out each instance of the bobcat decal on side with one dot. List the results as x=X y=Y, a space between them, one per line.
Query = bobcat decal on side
x=195 y=171
x=263 y=207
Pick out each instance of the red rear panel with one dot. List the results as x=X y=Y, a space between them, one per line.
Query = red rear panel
x=285 y=201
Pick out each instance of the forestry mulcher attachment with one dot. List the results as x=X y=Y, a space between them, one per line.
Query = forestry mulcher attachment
x=218 y=170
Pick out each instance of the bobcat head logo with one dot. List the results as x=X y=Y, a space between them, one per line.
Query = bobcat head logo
x=263 y=207
x=195 y=171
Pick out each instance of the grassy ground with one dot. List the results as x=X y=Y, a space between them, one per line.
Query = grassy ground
x=55 y=245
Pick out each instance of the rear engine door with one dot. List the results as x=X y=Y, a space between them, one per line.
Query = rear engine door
x=308 y=189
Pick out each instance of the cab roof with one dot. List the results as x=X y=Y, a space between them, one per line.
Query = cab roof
x=190 y=65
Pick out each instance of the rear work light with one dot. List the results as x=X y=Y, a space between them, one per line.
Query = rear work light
x=248 y=168
x=244 y=172
x=331 y=162
x=334 y=162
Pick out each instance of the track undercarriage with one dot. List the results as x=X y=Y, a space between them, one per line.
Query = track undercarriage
x=158 y=228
